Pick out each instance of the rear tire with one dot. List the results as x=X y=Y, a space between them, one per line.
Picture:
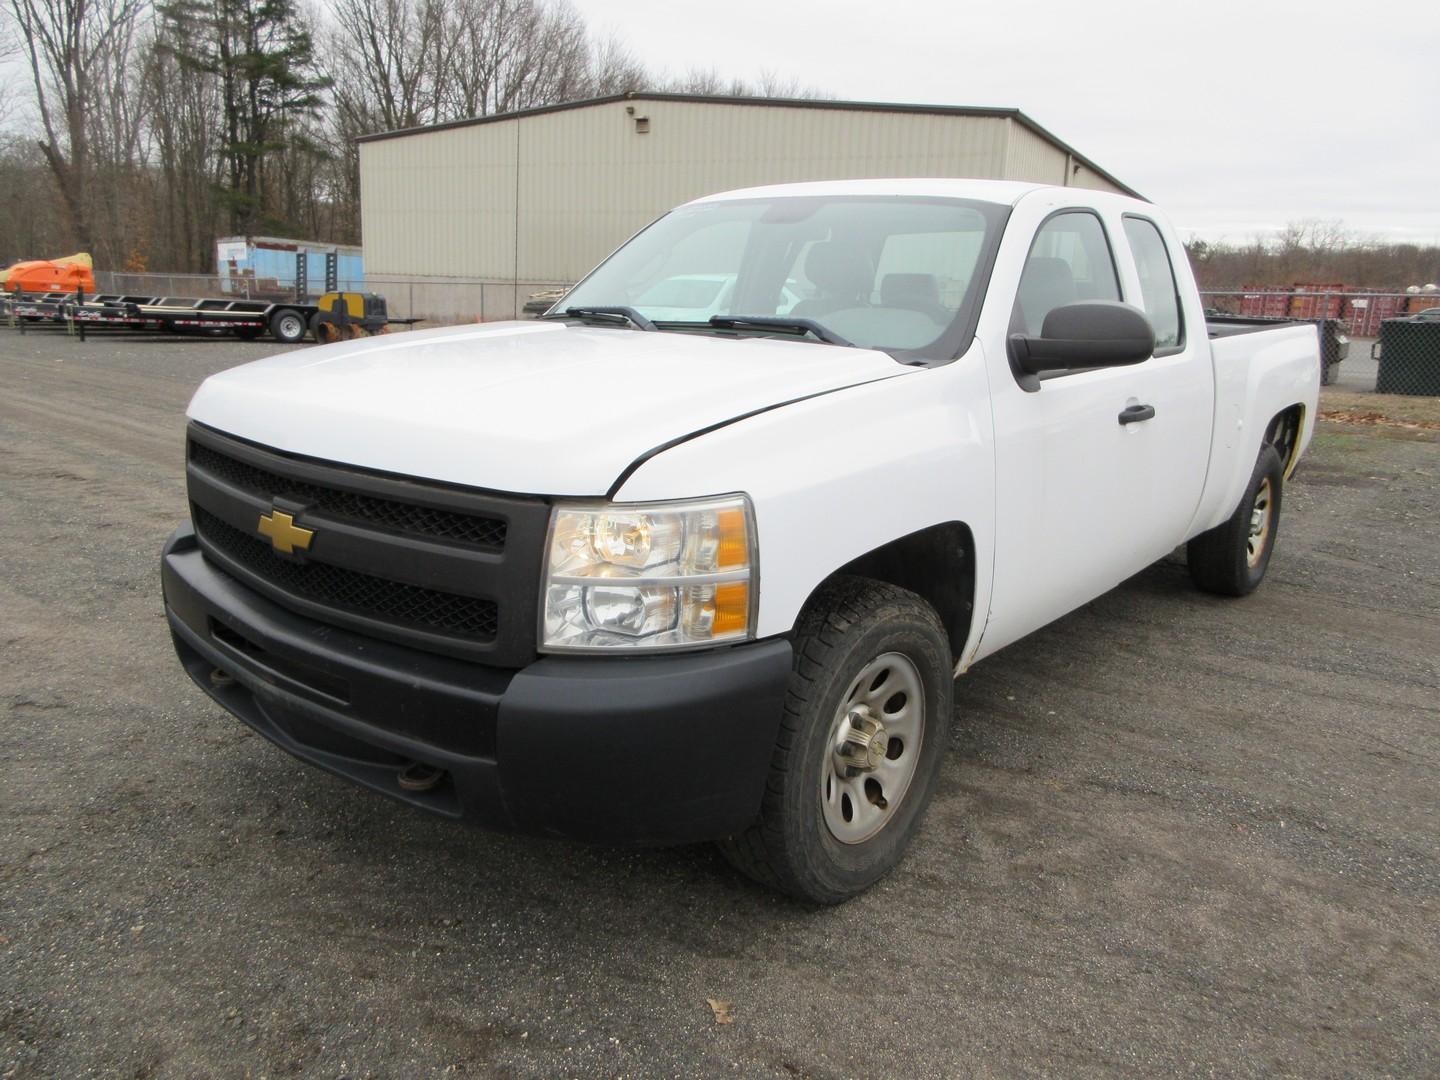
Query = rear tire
x=288 y=325
x=867 y=717
x=1231 y=559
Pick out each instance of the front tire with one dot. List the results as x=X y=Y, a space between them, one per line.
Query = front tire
x=1231 y=558
x=866 y=722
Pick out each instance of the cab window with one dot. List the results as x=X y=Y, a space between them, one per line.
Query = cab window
x=1158 y=291
x=1069 y=260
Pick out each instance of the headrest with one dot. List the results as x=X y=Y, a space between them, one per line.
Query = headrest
x=910 y=290
x=840 y=269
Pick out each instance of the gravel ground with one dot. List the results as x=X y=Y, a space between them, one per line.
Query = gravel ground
x=1175 y=835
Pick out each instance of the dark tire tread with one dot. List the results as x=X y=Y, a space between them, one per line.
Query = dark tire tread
x=839 y=606
x=1217 y=558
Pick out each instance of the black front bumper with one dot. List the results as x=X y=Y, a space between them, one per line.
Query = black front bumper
x=625 y=750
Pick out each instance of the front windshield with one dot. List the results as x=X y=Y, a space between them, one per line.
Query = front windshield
x=897 y=274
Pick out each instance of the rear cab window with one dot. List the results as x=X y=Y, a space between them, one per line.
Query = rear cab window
x=1159 y=292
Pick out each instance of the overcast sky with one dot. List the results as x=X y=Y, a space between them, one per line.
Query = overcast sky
x=1235 y=116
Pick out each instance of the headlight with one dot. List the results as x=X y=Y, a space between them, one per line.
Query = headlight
x=649 y=575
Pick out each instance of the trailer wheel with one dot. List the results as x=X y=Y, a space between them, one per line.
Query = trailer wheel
x=288 y=325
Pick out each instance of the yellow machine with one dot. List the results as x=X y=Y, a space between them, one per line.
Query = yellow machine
x=342 y=315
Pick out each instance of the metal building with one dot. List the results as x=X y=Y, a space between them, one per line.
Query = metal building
x=526 y=200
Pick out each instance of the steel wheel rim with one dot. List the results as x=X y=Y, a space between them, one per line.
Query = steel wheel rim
x=864 y=779
x=1261 y=515
x=290 y=325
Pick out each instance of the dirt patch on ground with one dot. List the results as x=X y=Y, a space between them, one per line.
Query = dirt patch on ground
x=1351 y=407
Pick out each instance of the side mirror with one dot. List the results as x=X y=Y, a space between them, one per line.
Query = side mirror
x=1086 y=334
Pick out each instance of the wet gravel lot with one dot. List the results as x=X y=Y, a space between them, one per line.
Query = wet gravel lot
x=1176 y=835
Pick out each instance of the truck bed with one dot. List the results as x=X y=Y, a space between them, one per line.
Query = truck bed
x=1219 y=326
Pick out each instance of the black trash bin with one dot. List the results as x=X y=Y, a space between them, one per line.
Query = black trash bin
x=1409 y=355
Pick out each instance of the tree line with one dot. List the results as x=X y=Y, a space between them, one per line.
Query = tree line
x=1314 y=252
x=143 y=129
x=140 y=130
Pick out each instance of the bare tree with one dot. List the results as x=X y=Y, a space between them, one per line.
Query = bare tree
x=614 y=69
x=159 y=124
x=709 y=82
x=1312 y=252
x=185 y=112
x=390 y=59
x=67 y=44
x=514 y=54
x=774 y=84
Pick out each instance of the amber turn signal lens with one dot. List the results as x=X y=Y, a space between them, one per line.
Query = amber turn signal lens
x=732 y=608
x=734 y=550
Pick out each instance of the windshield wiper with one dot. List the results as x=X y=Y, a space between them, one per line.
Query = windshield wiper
x=779 y=322
x=616 y=314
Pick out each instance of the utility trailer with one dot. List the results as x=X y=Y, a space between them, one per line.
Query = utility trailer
x=330 y=317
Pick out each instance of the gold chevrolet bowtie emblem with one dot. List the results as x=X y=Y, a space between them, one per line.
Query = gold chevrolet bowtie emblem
x=284 y=534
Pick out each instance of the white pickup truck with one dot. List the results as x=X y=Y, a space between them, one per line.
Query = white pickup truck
x=695 y=574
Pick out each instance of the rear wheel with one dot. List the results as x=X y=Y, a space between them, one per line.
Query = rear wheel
x=866 y=719
x=1231 y=558
x=288 y=325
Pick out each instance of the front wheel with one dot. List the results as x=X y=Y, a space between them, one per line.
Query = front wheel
x=866 y=721
x=1231 y=558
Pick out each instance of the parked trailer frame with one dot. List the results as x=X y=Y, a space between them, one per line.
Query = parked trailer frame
x=287 y=321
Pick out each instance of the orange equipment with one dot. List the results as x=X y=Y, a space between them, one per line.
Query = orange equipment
x=50 y=275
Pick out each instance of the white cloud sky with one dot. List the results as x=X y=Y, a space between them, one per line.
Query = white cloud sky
x=1235 y=116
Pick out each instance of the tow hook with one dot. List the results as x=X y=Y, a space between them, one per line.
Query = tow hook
x=420 y=777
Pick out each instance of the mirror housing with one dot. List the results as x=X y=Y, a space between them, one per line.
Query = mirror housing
x=1085 y=334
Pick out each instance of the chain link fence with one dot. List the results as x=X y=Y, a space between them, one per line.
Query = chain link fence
x=1382 y=341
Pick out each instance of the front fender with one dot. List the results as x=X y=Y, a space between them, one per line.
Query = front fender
x=837 y=476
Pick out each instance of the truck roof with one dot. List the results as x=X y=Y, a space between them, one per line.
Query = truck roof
x=1007 y=192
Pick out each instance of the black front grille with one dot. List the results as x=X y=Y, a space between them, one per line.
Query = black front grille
x=430 y=522
x=393 y=602
x=436 y=566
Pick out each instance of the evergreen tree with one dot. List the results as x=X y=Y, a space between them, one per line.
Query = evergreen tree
x=262 y=55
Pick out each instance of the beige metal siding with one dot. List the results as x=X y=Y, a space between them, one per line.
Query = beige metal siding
x=443 y=202
x=440 y=203
x=1032 y=158
x=543 y=198
x=588 y=180
x=1083 y=177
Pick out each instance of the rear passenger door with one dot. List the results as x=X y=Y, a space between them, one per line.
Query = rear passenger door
x=1178 y=381
x=1083 y=499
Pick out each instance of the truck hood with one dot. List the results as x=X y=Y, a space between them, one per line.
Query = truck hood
x=531 y=407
